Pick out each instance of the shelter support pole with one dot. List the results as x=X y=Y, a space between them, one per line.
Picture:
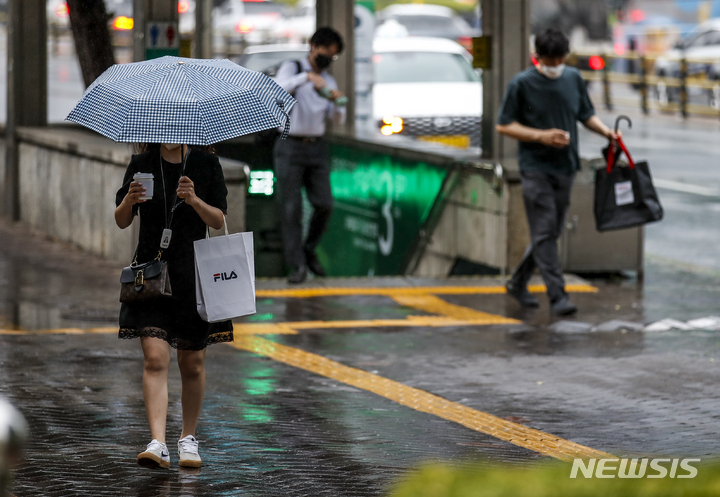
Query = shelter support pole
x=162 y=14
x=26 y=87
x=203 y=29
x=507 y=23
x=340 y=15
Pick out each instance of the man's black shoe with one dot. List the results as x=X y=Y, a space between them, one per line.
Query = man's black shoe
x=563 y=307
x=314 y=264
x=524 y=298
x=298 y=276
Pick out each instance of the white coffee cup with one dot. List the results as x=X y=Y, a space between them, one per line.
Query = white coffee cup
x=146 y=179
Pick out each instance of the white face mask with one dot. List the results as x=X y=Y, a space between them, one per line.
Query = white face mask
x=171 y=146
x=552 y=72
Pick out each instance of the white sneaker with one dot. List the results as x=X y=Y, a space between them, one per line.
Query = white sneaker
x=188 y=452
x=156 y=454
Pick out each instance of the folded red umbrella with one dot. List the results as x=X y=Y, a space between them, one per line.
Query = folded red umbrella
x=624 y=193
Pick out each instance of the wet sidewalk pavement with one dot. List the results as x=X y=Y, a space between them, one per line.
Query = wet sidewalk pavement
x=341 y=386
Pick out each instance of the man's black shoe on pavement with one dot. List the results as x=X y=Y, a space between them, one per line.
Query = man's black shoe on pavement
x=522 y=295
x=313 y=263
x=298 y=276
x=563 y=307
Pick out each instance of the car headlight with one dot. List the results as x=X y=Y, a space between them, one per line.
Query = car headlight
x=391 y=125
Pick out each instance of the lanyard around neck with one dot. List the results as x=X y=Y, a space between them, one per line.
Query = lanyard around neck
x=168 y=220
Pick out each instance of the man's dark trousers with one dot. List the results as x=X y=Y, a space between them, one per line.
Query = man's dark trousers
x=547 y=197
x=302 y=163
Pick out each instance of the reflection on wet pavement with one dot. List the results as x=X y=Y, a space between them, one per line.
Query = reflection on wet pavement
x=342 y=392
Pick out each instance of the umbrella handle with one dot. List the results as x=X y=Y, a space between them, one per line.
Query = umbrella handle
x=611 y=155
x=622 y=118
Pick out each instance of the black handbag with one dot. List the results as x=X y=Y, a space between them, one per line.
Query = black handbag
x=624 y=195
x=150 y=280
x=146 y=281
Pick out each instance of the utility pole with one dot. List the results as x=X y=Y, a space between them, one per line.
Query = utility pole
x=26 y=87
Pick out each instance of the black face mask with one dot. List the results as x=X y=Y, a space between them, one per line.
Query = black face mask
x=323 y=61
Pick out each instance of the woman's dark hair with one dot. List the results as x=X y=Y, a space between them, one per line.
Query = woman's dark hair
x=141 y=148
x=552 y=43
x=327 y=37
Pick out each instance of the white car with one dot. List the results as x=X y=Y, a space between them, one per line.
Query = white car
x=701 y=48
x=430 y=21
x=253 y=21
x=57 y=13
x=298 y=26
x=268 y=58
x=427 y=88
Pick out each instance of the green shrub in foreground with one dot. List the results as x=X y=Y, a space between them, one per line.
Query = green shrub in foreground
x=549 y=480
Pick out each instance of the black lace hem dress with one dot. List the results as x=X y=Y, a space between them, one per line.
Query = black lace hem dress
x=174 y=319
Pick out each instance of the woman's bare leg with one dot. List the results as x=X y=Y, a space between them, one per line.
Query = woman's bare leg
x=155 y=384
x=192 y=373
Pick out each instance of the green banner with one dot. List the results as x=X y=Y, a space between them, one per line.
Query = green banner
x=155 y=53
x=381 y=202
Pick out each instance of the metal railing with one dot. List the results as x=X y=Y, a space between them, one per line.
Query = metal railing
x=645 y=81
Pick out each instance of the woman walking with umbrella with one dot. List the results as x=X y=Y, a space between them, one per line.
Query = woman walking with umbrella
x=163 y=103
x=172 y=322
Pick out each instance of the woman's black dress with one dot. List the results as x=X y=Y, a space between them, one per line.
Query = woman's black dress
x=174 y=319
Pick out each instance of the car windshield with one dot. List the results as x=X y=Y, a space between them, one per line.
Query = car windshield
x=419 y=25
x=255 y=8
x=422 y=67
x=266 y=60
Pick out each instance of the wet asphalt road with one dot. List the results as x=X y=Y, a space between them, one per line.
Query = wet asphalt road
x=270 y=428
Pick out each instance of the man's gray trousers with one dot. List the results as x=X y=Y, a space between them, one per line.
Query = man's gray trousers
x=546 y=197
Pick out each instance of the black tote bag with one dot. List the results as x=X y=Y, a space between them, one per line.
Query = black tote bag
x=624 y=195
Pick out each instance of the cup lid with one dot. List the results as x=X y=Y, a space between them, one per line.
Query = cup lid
x=143 y=175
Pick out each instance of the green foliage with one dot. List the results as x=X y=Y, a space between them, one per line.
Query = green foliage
x=549 y=480
x=458 y=6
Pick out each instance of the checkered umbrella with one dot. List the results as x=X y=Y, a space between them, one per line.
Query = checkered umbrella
x=179 y=100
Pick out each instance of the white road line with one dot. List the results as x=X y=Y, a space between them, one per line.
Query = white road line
x=677 y=186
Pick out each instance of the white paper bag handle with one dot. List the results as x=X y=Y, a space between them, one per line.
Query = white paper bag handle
x=207 y=228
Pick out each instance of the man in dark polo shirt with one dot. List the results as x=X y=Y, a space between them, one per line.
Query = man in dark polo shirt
x=541 y=108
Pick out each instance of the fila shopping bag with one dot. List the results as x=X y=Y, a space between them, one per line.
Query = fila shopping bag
x=225 y=276
x=624 y=195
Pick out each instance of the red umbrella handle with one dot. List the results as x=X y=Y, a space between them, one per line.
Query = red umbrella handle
x=611 y=155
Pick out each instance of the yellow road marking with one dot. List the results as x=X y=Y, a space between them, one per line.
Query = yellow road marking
x=264 y=329
x=59 y=331
x=435 y=305
x=107 y=329
x=428 y=290
x=292 y=328
x=12 y=332
x=449 y=315
x=420 y=400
